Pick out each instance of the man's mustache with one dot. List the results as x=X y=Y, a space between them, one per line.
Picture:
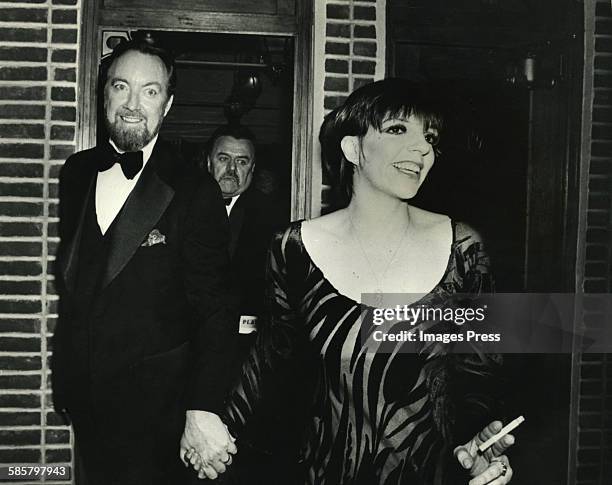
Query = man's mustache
x=231 y=176
x=132 y=113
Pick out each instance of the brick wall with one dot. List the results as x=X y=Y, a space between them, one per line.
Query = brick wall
x=38 y=62
x=594 y=450
x=354 y=53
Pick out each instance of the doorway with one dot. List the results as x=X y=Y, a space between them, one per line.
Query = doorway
x=499 y=147
x=229 y=79
x=222 y=44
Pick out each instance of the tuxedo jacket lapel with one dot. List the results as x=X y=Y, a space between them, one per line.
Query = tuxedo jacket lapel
x=70 y=259
x=236 y=219
x=142 y=210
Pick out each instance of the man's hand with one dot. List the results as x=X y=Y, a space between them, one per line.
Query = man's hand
x=491 y=467
x=206 y=443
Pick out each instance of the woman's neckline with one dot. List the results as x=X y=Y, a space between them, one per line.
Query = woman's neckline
x=339 y=293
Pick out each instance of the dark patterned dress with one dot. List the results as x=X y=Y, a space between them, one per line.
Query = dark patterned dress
x=369 y=418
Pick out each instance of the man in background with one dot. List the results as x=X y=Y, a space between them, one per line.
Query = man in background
x=253 y=215
x=267 y=445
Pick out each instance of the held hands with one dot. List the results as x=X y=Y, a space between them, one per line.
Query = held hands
x=206 y=444
x=490 y=467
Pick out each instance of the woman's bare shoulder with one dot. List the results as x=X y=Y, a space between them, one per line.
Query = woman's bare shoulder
x=427 y=219
x=327 y=225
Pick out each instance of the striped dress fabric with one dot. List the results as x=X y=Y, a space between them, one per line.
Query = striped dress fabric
x=371 y=417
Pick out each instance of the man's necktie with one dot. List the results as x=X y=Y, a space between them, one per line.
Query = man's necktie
x=227 y=201
x=131 y=162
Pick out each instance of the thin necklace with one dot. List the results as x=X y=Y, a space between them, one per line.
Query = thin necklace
x=378 y=292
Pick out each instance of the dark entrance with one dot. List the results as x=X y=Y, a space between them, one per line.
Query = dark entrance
x=509 y=75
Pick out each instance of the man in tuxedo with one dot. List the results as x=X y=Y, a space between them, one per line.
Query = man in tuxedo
x=145 y=343
x=254 y=217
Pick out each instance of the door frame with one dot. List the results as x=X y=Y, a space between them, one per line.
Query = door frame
x=298 y=26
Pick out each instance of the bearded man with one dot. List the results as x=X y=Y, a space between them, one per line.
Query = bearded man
x=147 y=327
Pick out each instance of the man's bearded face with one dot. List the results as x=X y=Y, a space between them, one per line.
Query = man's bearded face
x=136 y=99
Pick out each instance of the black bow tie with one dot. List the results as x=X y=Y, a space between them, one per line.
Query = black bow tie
x=227 y=201
x=131 y=162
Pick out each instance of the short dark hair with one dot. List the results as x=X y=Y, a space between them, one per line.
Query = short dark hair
x=237 y=131
x=369 y=106
x=145 y=45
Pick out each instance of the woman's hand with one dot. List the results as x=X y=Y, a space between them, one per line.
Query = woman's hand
x=490 y=467
x=196 y=462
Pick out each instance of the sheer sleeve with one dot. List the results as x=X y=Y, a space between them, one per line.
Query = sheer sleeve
x=271 y=361
x=463 y=387
x=472 y=263
x=473 y=389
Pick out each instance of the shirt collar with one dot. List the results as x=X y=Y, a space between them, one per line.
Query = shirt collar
x=229 y=207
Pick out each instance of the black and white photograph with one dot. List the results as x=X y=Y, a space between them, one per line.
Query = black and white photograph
x=306 y=242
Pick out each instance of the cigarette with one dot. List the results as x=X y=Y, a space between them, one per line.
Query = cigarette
x=503 y=432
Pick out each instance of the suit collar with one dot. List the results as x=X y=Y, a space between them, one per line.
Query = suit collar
x=242 y=200
x=70 y=260
x=237 y=218
x=232 y=202
x=142 y=210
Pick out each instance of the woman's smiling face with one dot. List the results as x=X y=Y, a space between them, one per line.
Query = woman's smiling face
x=397 y=158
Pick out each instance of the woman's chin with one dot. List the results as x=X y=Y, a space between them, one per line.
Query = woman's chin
x=408 y=194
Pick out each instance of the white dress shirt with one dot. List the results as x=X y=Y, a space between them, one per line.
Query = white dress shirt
x=229 y=207
x=113 y=188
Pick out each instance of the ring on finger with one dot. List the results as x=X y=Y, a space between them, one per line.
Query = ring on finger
x=504 y=465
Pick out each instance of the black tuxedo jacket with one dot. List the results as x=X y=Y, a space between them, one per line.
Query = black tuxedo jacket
x=253 y=220
x=159 y=335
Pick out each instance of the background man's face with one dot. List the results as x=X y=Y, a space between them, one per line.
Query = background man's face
x=231 y=163
x=135 y=99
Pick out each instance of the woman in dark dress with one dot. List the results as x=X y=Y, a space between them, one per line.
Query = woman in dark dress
x=373 y=417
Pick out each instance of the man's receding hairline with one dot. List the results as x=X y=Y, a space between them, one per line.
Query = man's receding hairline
x=214 y=146
x=148 y=54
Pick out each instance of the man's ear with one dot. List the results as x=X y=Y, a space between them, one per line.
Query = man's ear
x=168 y=105
x=351 y=148
x=209 y=163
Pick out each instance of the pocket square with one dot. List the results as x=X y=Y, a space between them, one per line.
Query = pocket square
x=154 y=237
